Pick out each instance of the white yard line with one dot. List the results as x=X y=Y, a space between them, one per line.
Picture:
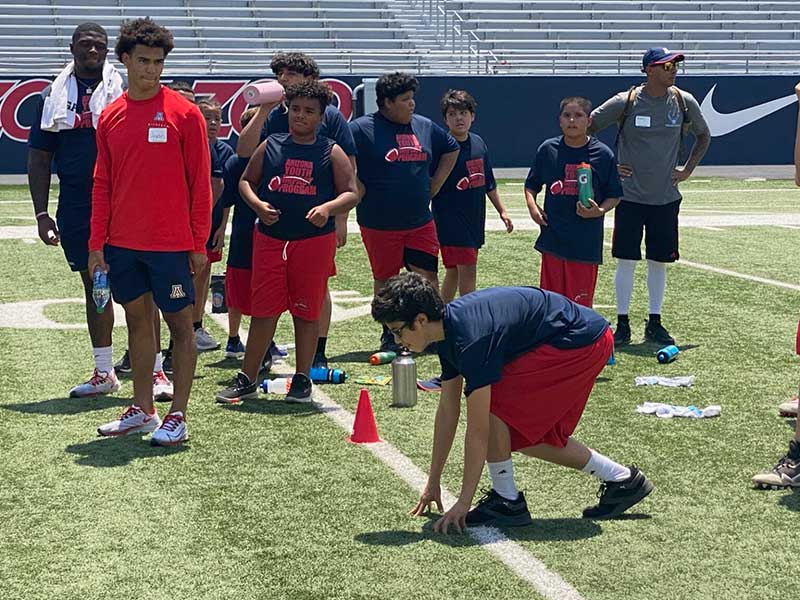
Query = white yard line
x=526 y=566
x=711 y=228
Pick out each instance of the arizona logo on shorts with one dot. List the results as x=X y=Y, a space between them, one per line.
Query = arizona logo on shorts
x=177 y=292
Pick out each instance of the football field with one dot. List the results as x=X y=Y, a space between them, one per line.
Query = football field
x=269 y=500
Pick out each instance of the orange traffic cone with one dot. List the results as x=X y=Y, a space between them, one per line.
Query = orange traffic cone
x=365 y=431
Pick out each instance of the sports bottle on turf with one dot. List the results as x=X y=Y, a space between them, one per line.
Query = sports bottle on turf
x=667 y=354
x=101 y=292
x=404 y=380
x=280 y=385
x=265 y=92
x=218 y=294
x=381 y=358
x=584 y=176
x=321 y=375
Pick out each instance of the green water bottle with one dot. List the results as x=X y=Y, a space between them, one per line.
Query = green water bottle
x=584 y=175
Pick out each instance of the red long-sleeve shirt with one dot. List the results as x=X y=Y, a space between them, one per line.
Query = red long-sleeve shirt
x=151 y=189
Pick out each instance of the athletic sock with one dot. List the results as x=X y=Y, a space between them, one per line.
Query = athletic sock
x=622 y=319
x=605 y=469
x=197 y=324
x=103 y=361
x=158 y=364
x=623 y=283
x=233 y=339
x=654 y=318
x=656 y=284
x=502 y=474
x=321 y=343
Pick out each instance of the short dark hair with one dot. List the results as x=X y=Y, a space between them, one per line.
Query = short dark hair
x=294 y=61
x=209 y=101
x=458 y=100
x=145 y=32
x=404 y=297
x=310 y=89
x=391 y=85
x=247 y=115
x=584 y=103
x=88 y=27
x=180 y=86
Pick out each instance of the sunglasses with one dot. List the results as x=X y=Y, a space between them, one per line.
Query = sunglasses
x=671 y=65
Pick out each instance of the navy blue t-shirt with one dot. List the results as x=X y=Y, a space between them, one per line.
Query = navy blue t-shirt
x=567 y=235
x=394 y=163
x=333 y=126
x=240 y=250
x=74 y=151
x=459 y=208
x=296 y=178
x=220 y=153
x=487 y=329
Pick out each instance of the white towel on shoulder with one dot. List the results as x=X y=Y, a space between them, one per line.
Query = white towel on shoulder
x=59 y=114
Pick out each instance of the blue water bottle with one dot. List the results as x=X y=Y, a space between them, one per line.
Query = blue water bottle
x=320 y=375
x=667 y=354
x=101 y=292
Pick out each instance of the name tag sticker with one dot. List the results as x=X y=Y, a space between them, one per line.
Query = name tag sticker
x=158 y=135
x=642 y=121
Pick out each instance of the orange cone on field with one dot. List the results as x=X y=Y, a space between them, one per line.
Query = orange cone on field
x=365 y=431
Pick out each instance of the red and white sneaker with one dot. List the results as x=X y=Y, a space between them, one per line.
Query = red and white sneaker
x=133 y=420
x=162 y=387
x=173 y=431
x=98 y=384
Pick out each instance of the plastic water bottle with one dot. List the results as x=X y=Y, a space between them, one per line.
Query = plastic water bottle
x=584 y=176
x=667 y=354
x=101 y=292
x=280 y=385
x=218 y=294
x=381 y=358
x=320 y=375
x=404 y=380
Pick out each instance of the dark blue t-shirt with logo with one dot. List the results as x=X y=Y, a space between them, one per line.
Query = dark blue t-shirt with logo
x=333 y=126
x=487 y=329
x=296 y=178
x=220 y=153
x=567 y=235
x=459 y=209
x=394 y=163
x=74 y=152
x=240 y=250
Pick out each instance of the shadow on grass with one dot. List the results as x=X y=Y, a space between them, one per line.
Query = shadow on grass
x=791 y=423
x=118 y=452
x=791 y=500
x=225 y=363
x=68 y=406
x=649 y=349
x=272 y=407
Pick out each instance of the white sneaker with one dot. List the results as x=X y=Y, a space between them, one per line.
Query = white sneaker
x=173 y=431
x=204 y=340
x=99 y=383
x=162 y=387
x=788 y=409
x=133 y=420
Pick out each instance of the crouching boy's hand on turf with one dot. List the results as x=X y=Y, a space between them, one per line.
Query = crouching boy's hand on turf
x=432 y=493
x=456 y=516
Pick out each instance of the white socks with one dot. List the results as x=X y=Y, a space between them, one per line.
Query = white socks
x=502 y=474
x=103 y=361
x=605 y=469
x=157 y=366
x=623 y=282
x=656 y=285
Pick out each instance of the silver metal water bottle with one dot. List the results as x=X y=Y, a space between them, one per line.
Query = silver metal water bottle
x=404 y=380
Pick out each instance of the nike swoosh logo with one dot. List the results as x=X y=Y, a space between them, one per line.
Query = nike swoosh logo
x=724 y=123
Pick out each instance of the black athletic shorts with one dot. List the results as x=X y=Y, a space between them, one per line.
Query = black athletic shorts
x=660 y=227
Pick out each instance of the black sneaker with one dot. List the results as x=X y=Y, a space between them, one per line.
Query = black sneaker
x=493 y=509
x=300 y=390
x=240 y=389
x=320 y=361
x=617 y=497
x=654 y=331
x=622 y=335
x=166 y=361
x=123 y=365
x=388 y=344
x=785 y=474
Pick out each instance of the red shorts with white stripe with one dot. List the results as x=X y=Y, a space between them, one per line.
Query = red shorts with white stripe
x=452 y=256
x=237 y=289
x=213 y=257
x=542 y=393
x=291 y=275
x=572 y=279
x=386 y=249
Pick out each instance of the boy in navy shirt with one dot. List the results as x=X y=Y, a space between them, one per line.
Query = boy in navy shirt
x=529 y=359
x=396 y=149
x=571 y=237
x=296 y=183
x=459 y=209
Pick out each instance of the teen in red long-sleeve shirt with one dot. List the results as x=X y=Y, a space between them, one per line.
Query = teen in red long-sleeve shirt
x=151 y=215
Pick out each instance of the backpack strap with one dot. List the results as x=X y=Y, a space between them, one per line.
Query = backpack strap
x=686 y=123
x=626 y=112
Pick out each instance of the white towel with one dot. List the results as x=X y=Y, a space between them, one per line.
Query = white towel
x=59 y=113
x=667 y=411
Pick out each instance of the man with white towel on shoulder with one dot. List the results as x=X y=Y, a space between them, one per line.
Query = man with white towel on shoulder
x=64 y=130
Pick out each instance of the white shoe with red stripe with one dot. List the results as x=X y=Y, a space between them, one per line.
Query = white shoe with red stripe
x=98 y=384
x=162 y=387
x=133 y=420
x=173 y=431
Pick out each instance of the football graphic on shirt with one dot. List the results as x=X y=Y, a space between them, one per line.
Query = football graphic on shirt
x=274 y=183
x=556 y=187
x=463 y=184
x=392 y=155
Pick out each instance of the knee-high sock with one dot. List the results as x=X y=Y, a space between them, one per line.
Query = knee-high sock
x=656 y=285
x=623 y=282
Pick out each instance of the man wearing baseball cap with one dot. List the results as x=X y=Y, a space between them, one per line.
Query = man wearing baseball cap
x=653 y=119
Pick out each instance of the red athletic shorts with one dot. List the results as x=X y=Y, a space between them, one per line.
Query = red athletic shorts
x=213 y=257
x=572 y=279
x=237 y=289
x=452 y=256
x=291 y=275
x=386 y=249
x=542 y=394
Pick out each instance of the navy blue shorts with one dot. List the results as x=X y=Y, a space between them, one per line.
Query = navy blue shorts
x=75 y=245
x=167 y=275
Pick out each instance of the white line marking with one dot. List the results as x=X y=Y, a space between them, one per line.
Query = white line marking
x=711 y=228
x=515 y=557
x=788 y=226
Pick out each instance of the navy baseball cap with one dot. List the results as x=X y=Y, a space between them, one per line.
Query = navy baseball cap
x=657 y=56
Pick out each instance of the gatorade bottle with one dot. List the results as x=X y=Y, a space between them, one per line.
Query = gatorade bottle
x=320 y=375
x=381 y=358
x=101 y=292
x=280 y=385
x=585 y=191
